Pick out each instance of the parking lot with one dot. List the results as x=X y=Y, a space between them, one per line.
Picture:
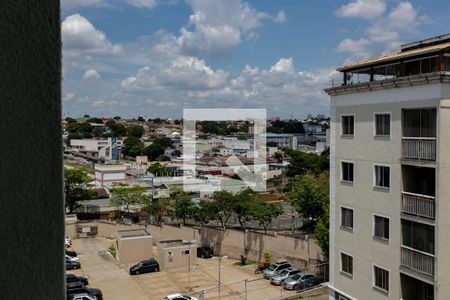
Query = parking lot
x=105 y=273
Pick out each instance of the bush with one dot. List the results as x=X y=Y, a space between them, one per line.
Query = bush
x=112 y=250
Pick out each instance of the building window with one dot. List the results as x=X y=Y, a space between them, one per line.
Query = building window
x=381 y=228
x=346 y=264
x=382 y=124
x=348 y=125
x=346 y=218
x=184 y=252
x=381 y=278
x=382 y=176
x=347 y=171
x=170 y=256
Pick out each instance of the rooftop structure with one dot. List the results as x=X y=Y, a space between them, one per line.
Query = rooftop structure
x=417 y=63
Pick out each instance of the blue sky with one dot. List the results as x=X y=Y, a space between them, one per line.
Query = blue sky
x=156 y=57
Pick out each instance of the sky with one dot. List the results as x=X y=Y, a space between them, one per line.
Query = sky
x=153 y=58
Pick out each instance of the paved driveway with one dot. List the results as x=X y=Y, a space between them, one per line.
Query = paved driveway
x=105 y=273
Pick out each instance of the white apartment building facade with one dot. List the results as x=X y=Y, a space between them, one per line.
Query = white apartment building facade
x=390 y=176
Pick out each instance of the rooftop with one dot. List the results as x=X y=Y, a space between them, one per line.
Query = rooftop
x=421 y=62
x=133 y=233
x=173 y=243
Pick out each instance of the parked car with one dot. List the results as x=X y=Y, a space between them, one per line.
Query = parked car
x=294 y=281
x=72 y=264
x=83 y=297
x=179 y=297
x=71 y=253
x=72 y=258
x=311 y=282
x=204 y=252
x=97 y=293
x=145 y=266
x=275 y=268
x=278 y=279
x=74 y=281
x=68 y=241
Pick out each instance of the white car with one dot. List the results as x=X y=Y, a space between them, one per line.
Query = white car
x=84 y=297
x=72 y=258
x=68 y=241
x=179 y=297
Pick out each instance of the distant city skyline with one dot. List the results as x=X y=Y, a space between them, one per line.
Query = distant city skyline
x=154 y=58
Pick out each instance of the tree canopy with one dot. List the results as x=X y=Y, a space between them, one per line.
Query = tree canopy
x=135 y=131
x=77 y=186
x=123 y=195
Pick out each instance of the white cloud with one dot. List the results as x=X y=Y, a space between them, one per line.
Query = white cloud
x=384 y=33
x=280 y=17
x=284 y=65
x=91 y=74
x=366 y=9
x=358 y=49
x=79 y=36
x=142 y=3
x=216 y=27
x=68 y=96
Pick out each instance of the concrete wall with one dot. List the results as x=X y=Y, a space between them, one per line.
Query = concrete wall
x=233 y=243
x=131 y=250
x=176 y=260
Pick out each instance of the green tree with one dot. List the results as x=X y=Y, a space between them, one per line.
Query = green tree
x=322 y=231
x=132 y=147
x=116 y=118
x=135 y=131
x=156 y=207
x=96 y=132
x=264 y=213
x=118 y=129
x=158 y=170
x=221 y=208
x=278 y=157
x=308 y=197
x=77 y=186
x=183 y=207
x=153 y=151
x=123 y=194
x=243 y=204
x=141 y=119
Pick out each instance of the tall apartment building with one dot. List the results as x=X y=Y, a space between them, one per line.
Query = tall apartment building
x=390 y=176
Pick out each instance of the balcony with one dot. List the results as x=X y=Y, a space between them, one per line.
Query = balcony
x=418 y=205
x=418 y=261
x=420 y=148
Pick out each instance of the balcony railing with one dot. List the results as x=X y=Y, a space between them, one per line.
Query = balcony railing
x=418 y=261
x=423 y=148
x=418 y=205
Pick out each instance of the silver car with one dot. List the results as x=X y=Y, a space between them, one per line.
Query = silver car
x=275 y=268
x=278 y=279
x=293 y=281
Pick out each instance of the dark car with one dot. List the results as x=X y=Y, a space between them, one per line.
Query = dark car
x=74 y=281
x=97 y=293
x=71 y=253
x=72 y=264
x=311 y=282
x=145 y=266
x=204 y=252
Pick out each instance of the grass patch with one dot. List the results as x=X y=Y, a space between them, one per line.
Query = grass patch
x=248 y=262
x=112 y=250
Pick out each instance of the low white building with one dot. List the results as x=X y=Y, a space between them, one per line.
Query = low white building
x=107 y=149
x=108 y=174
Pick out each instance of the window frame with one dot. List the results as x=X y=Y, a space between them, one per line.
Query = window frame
x=374 y=286
x=375 y=114
x=346 y=228
x=341 y=264
x=375 y=186
x=342 y=125
x=377 y=238
x=185 y=252
x=342 y=171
